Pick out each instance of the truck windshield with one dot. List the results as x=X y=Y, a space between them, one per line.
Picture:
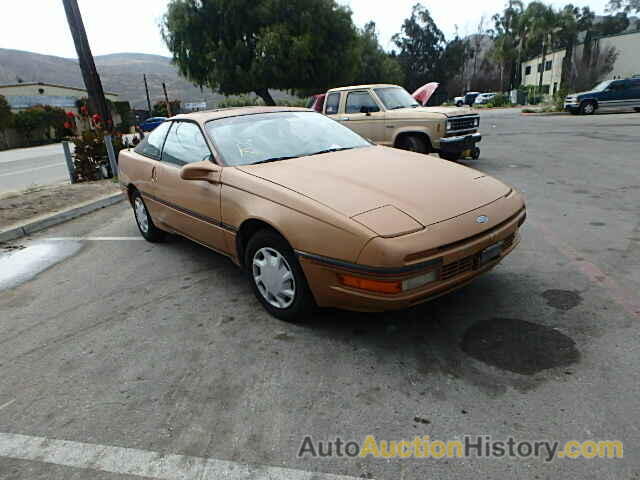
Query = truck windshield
x=602 y=85
x=268 y=137
x=396 y=97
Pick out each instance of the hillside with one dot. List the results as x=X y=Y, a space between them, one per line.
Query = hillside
x=120 y=73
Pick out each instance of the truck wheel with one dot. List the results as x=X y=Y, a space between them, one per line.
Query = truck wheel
x=459 y=104
x=636 y=109
x=587 y=108
x=413 y=143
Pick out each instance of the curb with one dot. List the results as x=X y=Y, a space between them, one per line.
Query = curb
x=59 y=217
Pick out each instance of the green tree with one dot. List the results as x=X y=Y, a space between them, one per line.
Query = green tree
x=507 y=47
x=375 y=65
x=627 y=6
x=28 y=121
x=6 y=117
x=421 y=46
x=160 y=108
x=240 y=46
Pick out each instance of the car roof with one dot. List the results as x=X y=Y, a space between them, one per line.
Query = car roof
x=204 y=116
x=358 y=87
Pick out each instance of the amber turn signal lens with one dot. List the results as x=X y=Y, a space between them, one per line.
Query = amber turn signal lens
x=371 y=285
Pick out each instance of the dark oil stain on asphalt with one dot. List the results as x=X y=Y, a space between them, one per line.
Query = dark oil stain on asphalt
x=562 y=299
x=597 y=224
x=519 y=346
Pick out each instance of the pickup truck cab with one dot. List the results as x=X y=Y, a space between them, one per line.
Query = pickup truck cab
x=610 y=94
x=388 y=115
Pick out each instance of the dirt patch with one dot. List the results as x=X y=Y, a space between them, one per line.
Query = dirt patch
x=19 y=207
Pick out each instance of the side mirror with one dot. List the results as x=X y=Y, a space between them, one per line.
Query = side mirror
x=203 y=171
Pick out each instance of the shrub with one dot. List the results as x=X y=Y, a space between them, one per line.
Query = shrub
x=250 y=101
x=500 y=100
x=91 y=154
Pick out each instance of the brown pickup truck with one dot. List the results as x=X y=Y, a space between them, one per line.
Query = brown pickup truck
x=389 y=115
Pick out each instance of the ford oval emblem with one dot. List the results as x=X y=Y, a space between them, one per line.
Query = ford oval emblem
x=482 y=219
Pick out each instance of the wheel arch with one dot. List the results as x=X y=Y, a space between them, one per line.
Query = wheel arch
x=419 y=133
x=590 y=100
x=247 y=229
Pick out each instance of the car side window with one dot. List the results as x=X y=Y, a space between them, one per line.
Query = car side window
x=618 y=86
x=635 y=84
x=332 y=102
x=185 y=144
x=358 y=102
x=152 y=144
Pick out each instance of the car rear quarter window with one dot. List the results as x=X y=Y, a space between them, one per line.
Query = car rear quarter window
x=152 y=145
x=333 y=102
x=185 y=144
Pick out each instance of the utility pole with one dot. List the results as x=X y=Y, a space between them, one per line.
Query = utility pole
x=146 y=88
x=166 y=99
x=92 y=82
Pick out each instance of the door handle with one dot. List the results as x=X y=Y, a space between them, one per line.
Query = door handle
x=344 y=119
x=154 y=178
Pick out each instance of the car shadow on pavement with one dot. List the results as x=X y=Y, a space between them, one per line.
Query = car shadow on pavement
x=459 y=335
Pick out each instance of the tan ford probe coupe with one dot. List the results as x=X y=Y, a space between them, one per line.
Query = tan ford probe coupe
x=316 y=214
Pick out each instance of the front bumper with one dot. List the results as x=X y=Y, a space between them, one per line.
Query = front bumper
x=459 y=143
x=457 y=265
x=571 y=105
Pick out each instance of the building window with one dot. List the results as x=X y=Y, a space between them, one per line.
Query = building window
x=527 y=70
x=555 y=87
x=539 y=67
x=547 y=65
x=545 y=89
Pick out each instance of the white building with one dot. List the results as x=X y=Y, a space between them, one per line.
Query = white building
x=627 y=44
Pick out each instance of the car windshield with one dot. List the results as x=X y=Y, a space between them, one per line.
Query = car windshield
x=602 y=85
x=396 y=97
x=263 y=137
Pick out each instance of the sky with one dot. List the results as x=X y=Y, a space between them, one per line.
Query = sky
x=115 y=26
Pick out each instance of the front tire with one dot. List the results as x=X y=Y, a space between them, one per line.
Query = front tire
x=276 y=277
x=413 y=143
x=148 y=230
x=587 y=108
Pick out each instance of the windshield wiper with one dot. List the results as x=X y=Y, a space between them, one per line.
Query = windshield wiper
x=274 y=159
x=329 y=150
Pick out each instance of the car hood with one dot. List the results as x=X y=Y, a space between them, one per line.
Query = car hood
x=416 y=112
x=588 y=92
x=352 y=182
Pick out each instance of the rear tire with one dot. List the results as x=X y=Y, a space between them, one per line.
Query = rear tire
x=277 y=279
x=148 y=230
x=459 y=104
x=587 y=108
x=413 y=143
x=636 y=109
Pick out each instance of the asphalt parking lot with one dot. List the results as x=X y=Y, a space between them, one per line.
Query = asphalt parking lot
x=147 y=358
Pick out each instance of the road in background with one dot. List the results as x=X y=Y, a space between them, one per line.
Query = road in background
x=161 y=349
x=26 y=167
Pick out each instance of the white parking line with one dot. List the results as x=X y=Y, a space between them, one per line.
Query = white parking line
x=91 y=239
x=27 y=170
x=5 y=405
x=144 y=463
